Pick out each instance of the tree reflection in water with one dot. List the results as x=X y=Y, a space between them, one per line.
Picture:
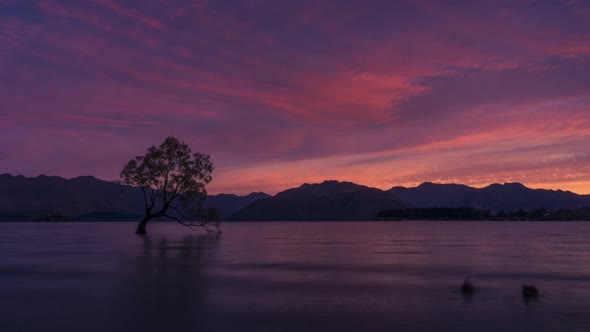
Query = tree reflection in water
x=164 y=288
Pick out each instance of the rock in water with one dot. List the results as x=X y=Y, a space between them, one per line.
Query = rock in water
x=467 y=288
x=530 y=292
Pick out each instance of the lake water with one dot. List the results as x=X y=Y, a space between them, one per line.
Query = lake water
x=399 y=276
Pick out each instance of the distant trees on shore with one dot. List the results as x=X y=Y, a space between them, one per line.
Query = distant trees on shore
x=469 y=213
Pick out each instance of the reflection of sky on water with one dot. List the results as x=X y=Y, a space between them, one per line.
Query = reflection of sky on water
x=294 y=276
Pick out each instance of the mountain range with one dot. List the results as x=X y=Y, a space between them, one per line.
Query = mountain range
x=87 y=198
x=496 y=197
x=330 y=200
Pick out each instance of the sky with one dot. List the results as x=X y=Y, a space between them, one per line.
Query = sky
x=284 y=92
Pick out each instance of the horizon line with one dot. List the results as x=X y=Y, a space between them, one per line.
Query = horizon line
x=323 y=181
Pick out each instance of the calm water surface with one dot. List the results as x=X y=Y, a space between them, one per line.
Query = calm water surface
x=294 y=277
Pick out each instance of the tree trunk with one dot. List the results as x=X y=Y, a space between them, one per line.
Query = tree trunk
x=141 y=227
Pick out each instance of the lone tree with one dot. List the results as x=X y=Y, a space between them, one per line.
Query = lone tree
x=173 y=180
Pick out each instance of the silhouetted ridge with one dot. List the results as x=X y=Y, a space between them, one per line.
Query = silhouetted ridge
x=496 y=197
x=327 y=187
x=326 y=201
x=229 y=204
x=89 y=198
x=85 y=198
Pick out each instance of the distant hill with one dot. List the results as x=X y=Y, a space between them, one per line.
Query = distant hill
x=229 y=204
x=35 y=198
x=86 y=198
x=89 y=199
x=327 y=201
x=496 y=197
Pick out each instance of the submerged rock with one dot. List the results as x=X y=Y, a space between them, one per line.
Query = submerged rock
x=467 y=288
x=530 y=292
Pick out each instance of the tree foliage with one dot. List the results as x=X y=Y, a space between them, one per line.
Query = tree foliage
x=172 y=180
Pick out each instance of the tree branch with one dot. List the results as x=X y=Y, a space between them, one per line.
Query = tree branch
x=144 y=197
x=168 y=170
x=153 y=196
x=189 y=225
x=179 y=212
